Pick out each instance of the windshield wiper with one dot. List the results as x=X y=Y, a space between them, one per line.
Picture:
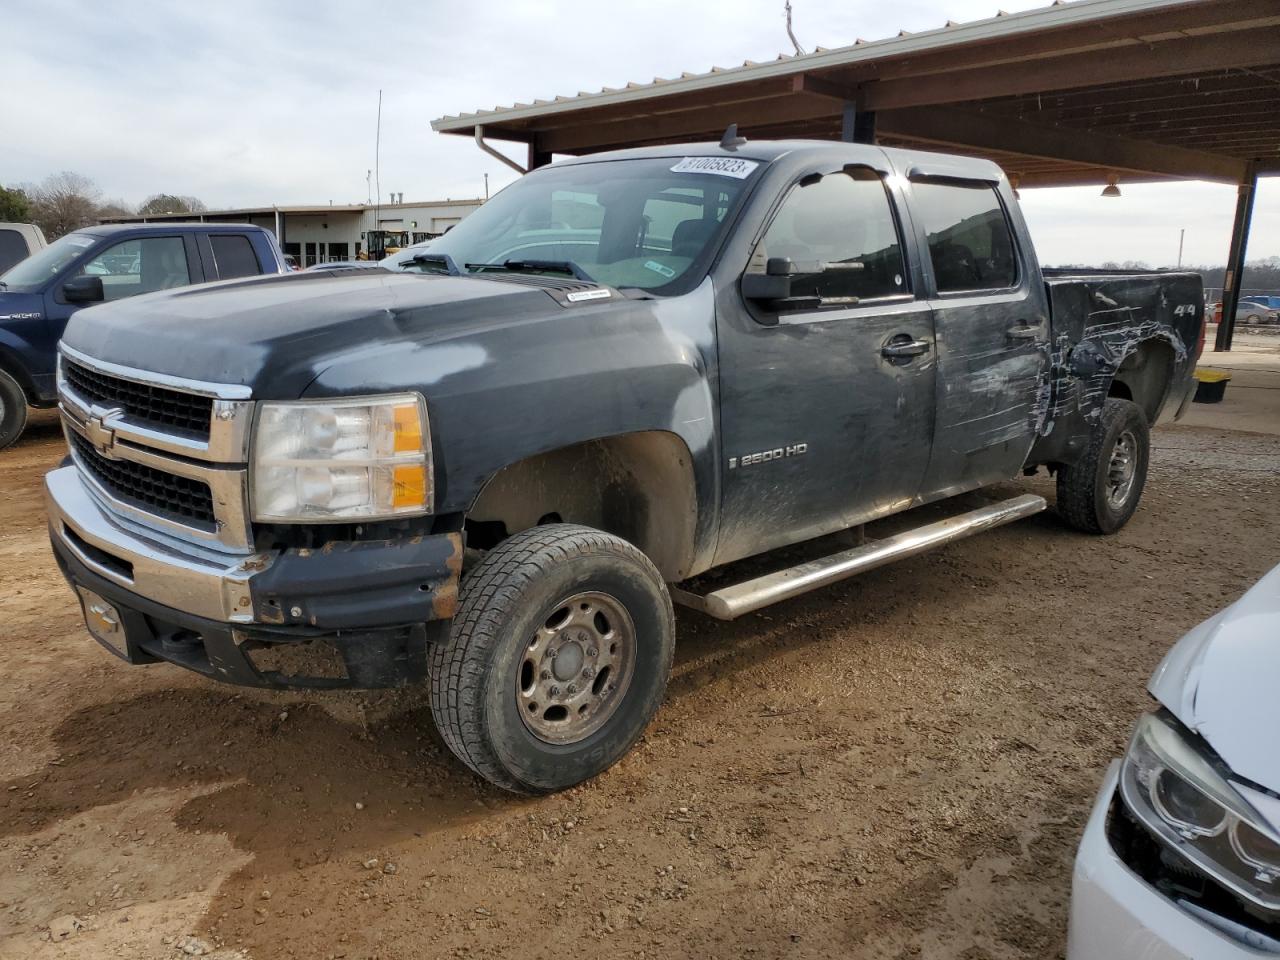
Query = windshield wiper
x=536 y=266
x=443 y=259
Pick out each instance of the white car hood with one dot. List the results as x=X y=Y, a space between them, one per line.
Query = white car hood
x=1222 y=680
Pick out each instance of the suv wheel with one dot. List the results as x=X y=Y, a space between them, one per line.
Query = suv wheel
x=557 y=660
x=13 y=410
x=1100 y=493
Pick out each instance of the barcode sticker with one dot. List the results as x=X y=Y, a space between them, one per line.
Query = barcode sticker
x=720 y=166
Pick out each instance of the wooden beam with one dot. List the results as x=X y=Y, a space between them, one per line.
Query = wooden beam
x=985 y=132
x=708 y=122
x=1132 y=62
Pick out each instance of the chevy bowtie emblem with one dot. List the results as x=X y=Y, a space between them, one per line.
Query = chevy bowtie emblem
x=99 y=433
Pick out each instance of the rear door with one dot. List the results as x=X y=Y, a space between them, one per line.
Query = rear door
x=992 y=328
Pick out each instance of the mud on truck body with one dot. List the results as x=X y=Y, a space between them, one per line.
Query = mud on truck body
x=492 y=467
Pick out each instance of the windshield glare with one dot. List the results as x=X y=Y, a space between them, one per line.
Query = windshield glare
x=47 y=263
x=649 y=223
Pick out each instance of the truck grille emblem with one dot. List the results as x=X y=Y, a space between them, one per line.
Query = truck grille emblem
x=98 y=433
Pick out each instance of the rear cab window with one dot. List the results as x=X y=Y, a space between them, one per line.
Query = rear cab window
x=233 y=256
x=971 y=244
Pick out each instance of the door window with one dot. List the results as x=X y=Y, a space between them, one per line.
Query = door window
x=13 y=247
x=140 y=266
x=233 y=255
x=843 y=220
x=970 y=242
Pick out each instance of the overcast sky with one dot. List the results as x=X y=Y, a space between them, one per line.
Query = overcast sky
x=242 y=102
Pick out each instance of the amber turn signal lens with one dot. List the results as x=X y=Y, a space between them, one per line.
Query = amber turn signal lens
x=409 y=486
x=408 y=429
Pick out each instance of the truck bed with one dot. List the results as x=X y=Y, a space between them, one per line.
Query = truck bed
x=1120 y=333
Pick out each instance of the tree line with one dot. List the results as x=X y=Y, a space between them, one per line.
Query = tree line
x=67 y=201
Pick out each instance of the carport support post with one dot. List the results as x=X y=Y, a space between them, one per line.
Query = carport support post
x=1235 y=259
x=857 y=123
x=537 y=157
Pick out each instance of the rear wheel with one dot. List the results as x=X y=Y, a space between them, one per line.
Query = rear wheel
x=1253 y=319
x=13 y=410
x=1100 y=492
x=557 y=660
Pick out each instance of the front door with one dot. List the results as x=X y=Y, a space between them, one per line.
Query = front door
x=992 y=325
x=826 y=411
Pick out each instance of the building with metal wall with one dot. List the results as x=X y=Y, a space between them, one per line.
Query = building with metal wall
x=314 y=234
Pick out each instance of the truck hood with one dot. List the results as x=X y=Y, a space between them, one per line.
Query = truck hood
x=1221 y=680
x=277 y=334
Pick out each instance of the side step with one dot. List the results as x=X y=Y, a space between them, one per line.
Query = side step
x=731 y=602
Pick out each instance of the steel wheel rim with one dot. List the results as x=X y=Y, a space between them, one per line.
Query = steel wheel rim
x=576 y=668
x=1122 y=469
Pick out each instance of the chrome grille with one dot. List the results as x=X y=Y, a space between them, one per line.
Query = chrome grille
x=161 y=451
x=147 y=403
x=178 y=498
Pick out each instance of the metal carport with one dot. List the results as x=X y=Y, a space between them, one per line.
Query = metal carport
x=1093 y=91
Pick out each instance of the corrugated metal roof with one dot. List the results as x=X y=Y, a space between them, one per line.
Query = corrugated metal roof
x=1059 y=13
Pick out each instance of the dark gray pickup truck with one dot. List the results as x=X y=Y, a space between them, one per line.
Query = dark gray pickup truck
x=496 y=465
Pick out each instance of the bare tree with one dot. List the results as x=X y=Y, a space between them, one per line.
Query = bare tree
x=114 y=208
x=171 y=203
x=64 y=202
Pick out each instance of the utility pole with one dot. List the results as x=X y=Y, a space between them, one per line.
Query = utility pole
x=1182 y=235
x=486 y=186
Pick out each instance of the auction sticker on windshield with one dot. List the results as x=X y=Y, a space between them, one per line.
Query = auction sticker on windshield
x=720 y=166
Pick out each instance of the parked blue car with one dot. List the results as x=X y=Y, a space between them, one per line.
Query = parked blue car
x=39 y=294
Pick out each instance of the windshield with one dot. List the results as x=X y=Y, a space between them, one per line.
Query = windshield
x=45 y=264
x=649 y=223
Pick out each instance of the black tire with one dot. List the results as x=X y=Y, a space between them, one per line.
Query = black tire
x=13 y=410
x=1252 y=320
x=481 y=676
x=1089 y=496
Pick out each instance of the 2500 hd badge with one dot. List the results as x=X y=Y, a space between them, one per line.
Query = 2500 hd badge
x=765 y=456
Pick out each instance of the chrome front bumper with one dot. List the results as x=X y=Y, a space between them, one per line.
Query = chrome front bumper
x=183 y=577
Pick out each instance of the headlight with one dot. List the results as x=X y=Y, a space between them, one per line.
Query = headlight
x=326 y=460
x=1183 y=797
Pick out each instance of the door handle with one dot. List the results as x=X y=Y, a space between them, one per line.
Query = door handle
x=1021 y=332
x=904 y=349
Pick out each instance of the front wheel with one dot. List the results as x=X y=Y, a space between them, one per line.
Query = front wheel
x=13 y=410
x=557 y=660
x=1100 y=492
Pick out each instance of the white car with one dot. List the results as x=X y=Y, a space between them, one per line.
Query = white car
x=1181 y=856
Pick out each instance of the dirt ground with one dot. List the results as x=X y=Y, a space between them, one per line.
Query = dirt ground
x=899 y=766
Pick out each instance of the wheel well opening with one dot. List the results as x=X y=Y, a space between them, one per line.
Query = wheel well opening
x=638 y=486
x=1145 y=377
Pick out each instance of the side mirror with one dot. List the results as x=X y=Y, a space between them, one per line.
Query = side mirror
x=83 y=290
x=773 y=288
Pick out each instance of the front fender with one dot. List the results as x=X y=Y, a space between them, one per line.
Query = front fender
x=502 y=394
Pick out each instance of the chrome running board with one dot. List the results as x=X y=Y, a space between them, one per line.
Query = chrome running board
x=731 y=602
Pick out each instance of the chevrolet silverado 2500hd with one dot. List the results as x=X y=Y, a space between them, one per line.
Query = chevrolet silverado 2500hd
x=495 y=466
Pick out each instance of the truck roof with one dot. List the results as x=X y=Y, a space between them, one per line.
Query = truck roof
x=922 y=162
x=168 y=228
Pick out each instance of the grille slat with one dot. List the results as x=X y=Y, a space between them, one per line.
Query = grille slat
x=166 y=494
x=152 y=404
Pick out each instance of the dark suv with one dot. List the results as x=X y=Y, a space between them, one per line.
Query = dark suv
x=39 y=294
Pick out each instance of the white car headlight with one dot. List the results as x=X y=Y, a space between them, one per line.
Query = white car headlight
x=1185 y=799
x=325 y=460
